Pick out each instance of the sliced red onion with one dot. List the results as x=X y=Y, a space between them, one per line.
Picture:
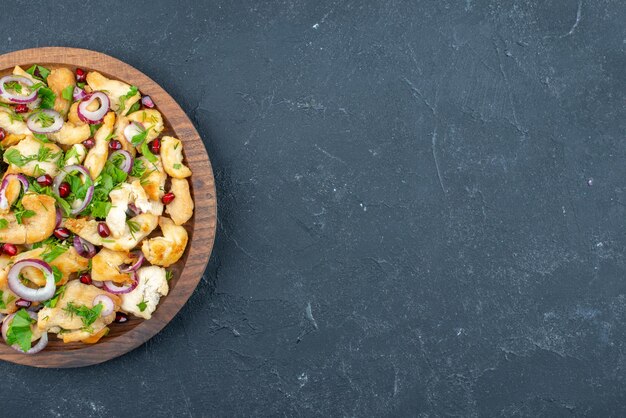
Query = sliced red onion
x=127 y=163
x=147 y=102
x=97 y=284
x=127 y=268
x=107 y=304
x=4 y=203
x=111 y=287
x=133 y=129
x=96 y=116
x=133 y=210
x=28 y=293
x=33 y=122
x=59 y=218
x=80 y=205
x=79 y=94
x=41 y=344
x=83 y=247
x=17 y=98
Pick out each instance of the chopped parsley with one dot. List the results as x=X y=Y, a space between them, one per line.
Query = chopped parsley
x=142 y=305
x=138 y=168
x=168 y=275
x=53 y=251
x=110 y=177
x=47 y=97
x=41 y=137
x=135 y=107
x=2 y=304
x=39 y=72
x=13 y=156
x=146 y=153
x=87 y=315
x=3 y=223
x=43 y=119
x=177 y=166
x=51 y=303
x=140 y=137
x=21 y=214
x=133 y=91
x=20 y=331
x=68 y=93
x=57 y=274
x=94 y=128
x=14 y=85
x=133 y=226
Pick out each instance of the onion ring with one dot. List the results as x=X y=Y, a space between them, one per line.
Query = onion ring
x=96 y=116
x=28 y=293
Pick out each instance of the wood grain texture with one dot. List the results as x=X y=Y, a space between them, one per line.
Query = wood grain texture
x=201 y=228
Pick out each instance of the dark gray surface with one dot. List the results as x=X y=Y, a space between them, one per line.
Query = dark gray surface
x=422 y=208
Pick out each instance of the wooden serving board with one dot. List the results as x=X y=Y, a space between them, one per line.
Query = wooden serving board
x=201 y=228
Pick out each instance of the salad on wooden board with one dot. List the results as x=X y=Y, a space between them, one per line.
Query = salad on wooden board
x=93 y=203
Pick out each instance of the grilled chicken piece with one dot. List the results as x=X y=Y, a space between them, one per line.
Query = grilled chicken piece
x=72 y=116
x=97 y=156
x=8 y=297
x=114 y=89
x=30 y=157
x=151 y=286
x=71 y=134
x=153 y=180
x=181 y=208
x=58 y=318
x=151 y=120
x=105 y=264
x=145 y=223
x=58 y=80
x=35 y=228
x=166 y=250
x=121 y=124
x=11 y=125
x=172 y=156
x=11 y=193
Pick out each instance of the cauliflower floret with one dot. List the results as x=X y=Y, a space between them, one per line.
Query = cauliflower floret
x=172 y=155
x=181 y=208
x=115 y=90
x=75 y=155
x=151 y=120
x=152 y=285
x=33 y=158
x=166 y=250
x=97 y=156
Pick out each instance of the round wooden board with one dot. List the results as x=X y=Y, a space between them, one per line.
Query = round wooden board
x=201 y=228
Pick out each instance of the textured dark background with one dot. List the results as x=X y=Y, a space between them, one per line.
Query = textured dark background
x=421 y=208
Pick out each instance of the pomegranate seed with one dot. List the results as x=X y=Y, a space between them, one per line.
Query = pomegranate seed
x=114 y=144
x=23 y=303
x=167 y=198
x=9 y=249
x=3 y=134
x=62 y=233
x=64 y=189
x=121 y=317
x=85 y=278
x=45 y=180
x=89 y=143
x=81 y=76
x=155 y=146
x=21 y=108
x=103 y=230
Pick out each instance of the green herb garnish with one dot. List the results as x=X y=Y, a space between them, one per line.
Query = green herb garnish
x=133 y=91
x=142 y=305
x=68 y=93
x=19 y=331
x=39 y=72
x=87 y=315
